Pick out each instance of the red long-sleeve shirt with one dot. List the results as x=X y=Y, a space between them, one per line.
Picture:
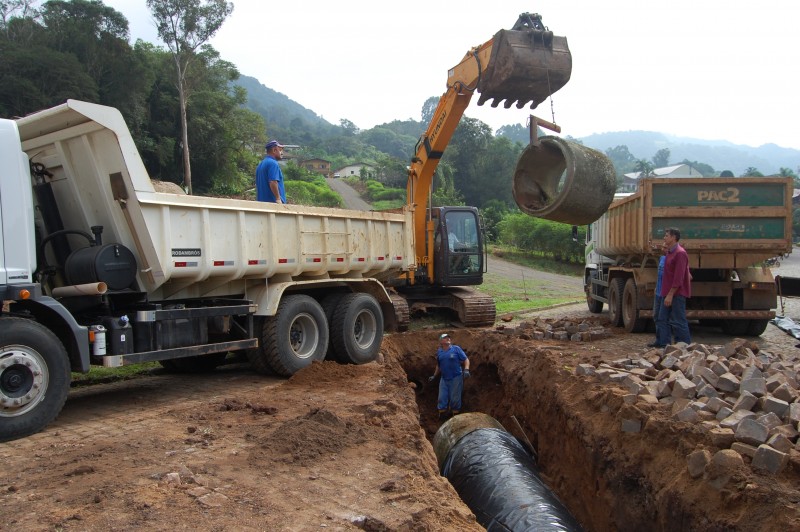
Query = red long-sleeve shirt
x=676 y=273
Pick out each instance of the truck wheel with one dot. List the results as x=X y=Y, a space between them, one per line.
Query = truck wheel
x=757 y=327
x=595 y=306
x=296 y=336
x=34 y=377
x=329 y=304
x=357 y=329
x=735 y=327
x=615 y=292
x=630 y=309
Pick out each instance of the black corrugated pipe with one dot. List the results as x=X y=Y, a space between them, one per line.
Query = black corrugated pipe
x=496 y=477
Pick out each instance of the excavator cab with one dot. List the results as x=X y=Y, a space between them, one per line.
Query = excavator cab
x=458 y=249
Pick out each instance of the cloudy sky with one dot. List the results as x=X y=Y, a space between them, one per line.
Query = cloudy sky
x=709 y=69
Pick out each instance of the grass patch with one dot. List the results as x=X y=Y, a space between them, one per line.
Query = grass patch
x=537 y=262
x=100 y=374
x=512 y=295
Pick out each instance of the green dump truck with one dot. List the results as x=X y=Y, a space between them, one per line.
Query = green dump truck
x=729 y=227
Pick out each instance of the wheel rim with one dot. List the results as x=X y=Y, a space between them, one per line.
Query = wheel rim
x=365 y=329
x=23 y=380
x=304 y=335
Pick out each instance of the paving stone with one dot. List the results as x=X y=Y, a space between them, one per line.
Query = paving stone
x=723 y=413
x=721 y=437
x=735 y=418
x=679 y=403
x=708 y=375
x=629 y=398
x=669 y=362
x=751 y=372
x=785 y=393
x=777 y=406
x=794 y=412
x=775 y=381
x=751 y=432
x=704 y=415
x=770 y=460
x=746 y=401
x=585 y=369
x=688 y=415
x=714 y=404
x=648 y=398
x=684 y=388
x=769 y=420
x=757 y=386
x=780 y=442
x=728 y=382
x=697 y=462
x=744 y=449
x=789 y=431
x=706 y=390
x=719 y=368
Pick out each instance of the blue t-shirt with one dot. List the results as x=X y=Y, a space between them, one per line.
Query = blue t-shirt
x=661 y=263
x=450 y=361
x=269 y=170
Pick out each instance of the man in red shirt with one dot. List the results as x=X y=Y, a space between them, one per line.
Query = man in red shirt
x=676 y=286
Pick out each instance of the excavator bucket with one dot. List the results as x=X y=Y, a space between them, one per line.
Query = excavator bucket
x=527 y=64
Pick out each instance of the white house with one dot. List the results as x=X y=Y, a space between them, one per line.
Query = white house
x=355 y=170
x=631 y=181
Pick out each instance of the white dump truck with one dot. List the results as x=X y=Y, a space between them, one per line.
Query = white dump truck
x=96 y=267
x=729 y=227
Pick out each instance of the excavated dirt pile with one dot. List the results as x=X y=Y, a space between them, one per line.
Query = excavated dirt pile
x=347 y=447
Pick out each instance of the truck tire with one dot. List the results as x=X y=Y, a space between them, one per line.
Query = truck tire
x=296 y=336
x=735 y=327
x=630 y=309
x=757 y=327
x=34 y=377
x=615 y=292
x=329 y=304
x=595 y=306
x=357 y=329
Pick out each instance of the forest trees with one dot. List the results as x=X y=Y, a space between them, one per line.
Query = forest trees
x=184 y=26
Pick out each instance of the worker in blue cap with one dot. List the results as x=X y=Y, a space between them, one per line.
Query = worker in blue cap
x=269 y=177
x=453 y=365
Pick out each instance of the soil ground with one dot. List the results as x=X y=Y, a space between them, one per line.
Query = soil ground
x=347 y=447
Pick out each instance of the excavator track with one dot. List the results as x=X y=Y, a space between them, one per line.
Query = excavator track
x=401 y=312
x=474 y=308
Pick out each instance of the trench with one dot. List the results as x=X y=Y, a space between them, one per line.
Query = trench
x=607 y=479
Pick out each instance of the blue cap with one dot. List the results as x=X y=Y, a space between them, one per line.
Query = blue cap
x=273 y=143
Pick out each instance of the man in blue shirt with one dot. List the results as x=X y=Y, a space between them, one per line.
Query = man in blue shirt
x=269 y=177
x=663 y=332
x=452 y=363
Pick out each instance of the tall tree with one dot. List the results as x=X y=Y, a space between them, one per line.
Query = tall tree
x=622 y=159
x=184 y=26
x=644 y=167
x=661 y=158
x=752 y=171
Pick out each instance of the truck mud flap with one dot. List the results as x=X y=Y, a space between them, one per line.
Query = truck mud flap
x=563 y=181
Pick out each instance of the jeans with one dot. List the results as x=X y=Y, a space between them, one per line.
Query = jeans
x=663 y=334
x=450 y=393
x=675 y=316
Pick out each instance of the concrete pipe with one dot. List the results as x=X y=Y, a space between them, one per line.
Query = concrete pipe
x=564 y=182
x=496 y=477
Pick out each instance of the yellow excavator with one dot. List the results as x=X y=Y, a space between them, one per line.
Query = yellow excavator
x=521 y=66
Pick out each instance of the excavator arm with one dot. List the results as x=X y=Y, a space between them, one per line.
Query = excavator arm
x=521 y=66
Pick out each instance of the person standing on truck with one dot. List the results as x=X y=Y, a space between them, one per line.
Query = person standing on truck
x=453 y=365
x=676 y=287
x=663 y=334
x=269 y=177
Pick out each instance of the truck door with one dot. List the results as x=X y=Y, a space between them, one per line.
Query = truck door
x=458 y=257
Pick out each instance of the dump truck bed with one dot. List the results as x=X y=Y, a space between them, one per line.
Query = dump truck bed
x=724 y=222
x=193 y=246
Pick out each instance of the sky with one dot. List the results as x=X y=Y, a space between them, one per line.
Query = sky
x=708 y=69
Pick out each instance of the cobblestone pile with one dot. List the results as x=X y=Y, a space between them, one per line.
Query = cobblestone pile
x=745 y=400
x=558 y=329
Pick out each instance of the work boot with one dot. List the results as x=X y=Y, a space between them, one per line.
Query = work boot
x=442 y=415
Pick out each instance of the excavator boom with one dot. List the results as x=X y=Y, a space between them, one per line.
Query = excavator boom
x=520 y=66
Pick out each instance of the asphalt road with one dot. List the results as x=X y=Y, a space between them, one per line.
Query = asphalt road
x=352 y=200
